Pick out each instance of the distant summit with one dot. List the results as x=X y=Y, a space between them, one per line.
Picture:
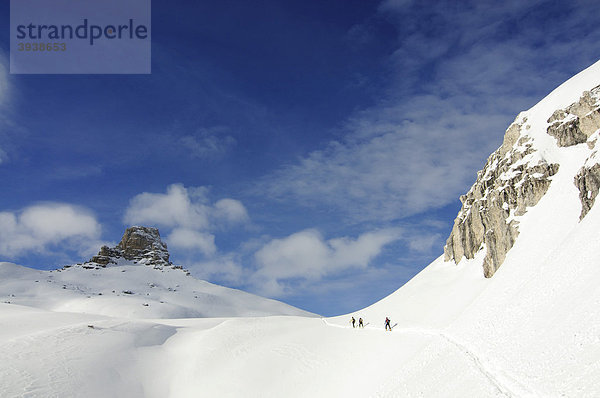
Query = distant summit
x=134 y=279
x=141 y=245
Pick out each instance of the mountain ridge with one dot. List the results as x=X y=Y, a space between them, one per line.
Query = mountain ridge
x=133 y=279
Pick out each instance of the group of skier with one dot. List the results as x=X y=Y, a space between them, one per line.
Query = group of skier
x=387 y=326
x=360 y=322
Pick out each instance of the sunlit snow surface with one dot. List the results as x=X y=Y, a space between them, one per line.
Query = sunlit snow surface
x=533 y=330
x=131 y=291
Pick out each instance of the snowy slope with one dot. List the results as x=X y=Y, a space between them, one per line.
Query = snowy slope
x=132 y=291
x=532 y=330
x=534 y=326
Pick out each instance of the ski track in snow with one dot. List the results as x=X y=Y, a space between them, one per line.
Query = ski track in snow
x=505 y=383
x=34 y=383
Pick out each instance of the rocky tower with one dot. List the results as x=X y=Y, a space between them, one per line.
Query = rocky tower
x=139 y=244
x=517 y=176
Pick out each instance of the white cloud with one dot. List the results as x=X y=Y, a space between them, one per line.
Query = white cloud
x=188 y=214
x=183 y=207
x=225 y=268
x=190 y=239
x=231 y=210
x=306 y=255
x=37 y=227
x=171 y=209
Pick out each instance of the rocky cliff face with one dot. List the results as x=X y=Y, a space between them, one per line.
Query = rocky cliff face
x=517 y=176
x=510 y=182
x=587 y=179
x=141 y=245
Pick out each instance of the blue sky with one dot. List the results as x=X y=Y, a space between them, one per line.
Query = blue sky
x=309 y=151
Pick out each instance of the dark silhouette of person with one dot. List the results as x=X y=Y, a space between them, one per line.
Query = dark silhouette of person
x=353 y=321
x=387 y=324
x=360 y=323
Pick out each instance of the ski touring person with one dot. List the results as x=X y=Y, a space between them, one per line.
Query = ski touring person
x=353 y=321
x=360 y=323
x=387 y=324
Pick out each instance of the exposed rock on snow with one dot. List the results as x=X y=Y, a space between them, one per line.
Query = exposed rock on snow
x=579 y=121
x=577 y=124
x=144 y=245
x=510 y=182
x=588 y=183
x=140 y=244
x=106 y=256
x=518 y=175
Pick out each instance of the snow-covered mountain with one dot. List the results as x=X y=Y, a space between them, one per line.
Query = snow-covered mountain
x=512 y=308
x=135 y=279
x=522 y=306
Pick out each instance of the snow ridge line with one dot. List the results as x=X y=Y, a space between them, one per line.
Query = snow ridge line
x=507 y=385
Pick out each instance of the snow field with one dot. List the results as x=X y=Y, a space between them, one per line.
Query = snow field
x=131 y=291
x=255 y=357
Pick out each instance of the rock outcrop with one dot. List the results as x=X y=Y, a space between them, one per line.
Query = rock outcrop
x=508 y=184
x=141 y=245
x=587 y=181
x=575 y=124
x=517 y=176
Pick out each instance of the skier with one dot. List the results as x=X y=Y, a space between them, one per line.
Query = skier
x=353 y=321
x=360 y=323
x=387 y=324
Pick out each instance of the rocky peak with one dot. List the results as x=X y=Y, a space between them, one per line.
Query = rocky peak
x=138 y=242
x=141 y=245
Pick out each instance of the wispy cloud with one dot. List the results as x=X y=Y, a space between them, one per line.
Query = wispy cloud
x=4 y=99
x=207 y=142
x=39 y=227
x=462 y=73
x=63 y=173
x=406 y=159
x=3 y=84
x=3 y=155
x=423 y=243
